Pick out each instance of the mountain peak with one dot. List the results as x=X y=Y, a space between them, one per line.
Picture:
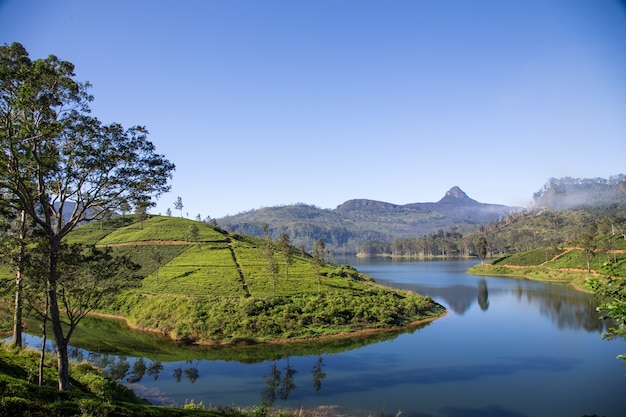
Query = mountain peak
x=456 y=195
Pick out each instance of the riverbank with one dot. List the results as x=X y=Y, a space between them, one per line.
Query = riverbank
x=363 y=332
x=573 y=277
x=94 y=394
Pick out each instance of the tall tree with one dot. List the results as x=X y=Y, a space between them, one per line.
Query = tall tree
x=318 y=261
x=284 y=244
x=268 y=253
x=19 y=277
x=62 y=165
x=588 y=243
x=481 y=248
x=13 y=231
x=178 y=205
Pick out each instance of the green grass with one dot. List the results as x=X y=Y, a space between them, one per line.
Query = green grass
x=161 y=228
x=92 y=233
x=529 y=258
x=143 y=255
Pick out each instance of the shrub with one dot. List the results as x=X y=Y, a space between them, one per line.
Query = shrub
x=14 y=407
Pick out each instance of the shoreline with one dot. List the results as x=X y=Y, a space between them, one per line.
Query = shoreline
x=253 y=341
x=570 y=282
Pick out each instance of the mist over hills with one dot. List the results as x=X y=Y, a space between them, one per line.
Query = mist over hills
x=570 y=193
x=357 y=221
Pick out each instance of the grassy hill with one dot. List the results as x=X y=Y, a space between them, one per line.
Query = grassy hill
x=202 y=284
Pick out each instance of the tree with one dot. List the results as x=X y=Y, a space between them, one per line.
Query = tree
x=168 y=212
x=124 y=208
x=284 y=245
x=610 y=291
x=178 y=205
x=268 y=254
x=62 y=166
x=13 y=246
x=157 y=257
x=481 y=248
x=318 y=261
x=193 y=232
x=588 y=243
x=141 y=209
x=88 y=278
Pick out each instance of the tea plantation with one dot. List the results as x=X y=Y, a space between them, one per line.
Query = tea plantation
x=202 y=284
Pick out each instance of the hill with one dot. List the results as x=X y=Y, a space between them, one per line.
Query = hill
x=201 y=284
x=357 y=221
x=570 y=193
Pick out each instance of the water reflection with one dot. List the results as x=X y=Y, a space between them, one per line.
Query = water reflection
x=562 y=305
x=279 y=382
x=483 y=295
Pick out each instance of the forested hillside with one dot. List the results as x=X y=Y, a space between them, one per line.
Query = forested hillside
x=349 y=226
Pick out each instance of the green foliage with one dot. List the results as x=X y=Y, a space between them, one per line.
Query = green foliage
x=305 y=315
x=611 y=294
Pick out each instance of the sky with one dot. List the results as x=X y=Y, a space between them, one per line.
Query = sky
x=269 y=103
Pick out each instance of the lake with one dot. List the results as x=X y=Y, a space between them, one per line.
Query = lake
x=506 y=348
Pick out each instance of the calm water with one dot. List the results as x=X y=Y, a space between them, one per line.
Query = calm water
x=505 y=348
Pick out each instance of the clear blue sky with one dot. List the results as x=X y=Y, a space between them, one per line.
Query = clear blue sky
x=264 y=103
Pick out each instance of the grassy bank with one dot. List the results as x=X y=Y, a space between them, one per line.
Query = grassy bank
x=92 y=394
x=564 y=265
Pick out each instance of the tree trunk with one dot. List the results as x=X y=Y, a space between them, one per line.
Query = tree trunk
x=17 y=317
x=19 y=275
x=44 y=339
x=63 y=363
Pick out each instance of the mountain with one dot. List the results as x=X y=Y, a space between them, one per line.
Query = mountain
x=357 y=221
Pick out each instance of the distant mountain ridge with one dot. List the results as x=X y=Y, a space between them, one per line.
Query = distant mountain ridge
x=357 y=221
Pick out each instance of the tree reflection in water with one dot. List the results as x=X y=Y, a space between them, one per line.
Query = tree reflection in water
x=279 y=384
x=483 y=295
x=318 y=375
